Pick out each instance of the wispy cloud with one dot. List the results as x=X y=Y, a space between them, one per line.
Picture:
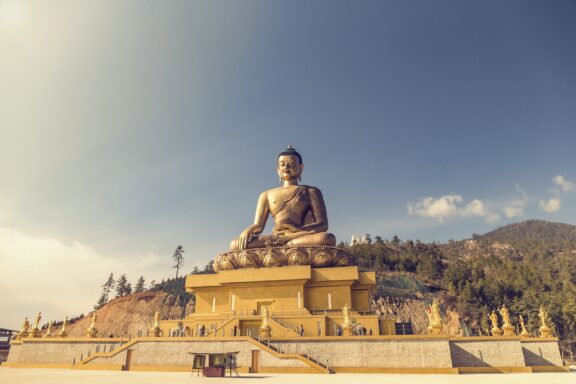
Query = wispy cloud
x=565 y=185
x=448 y=206
x=551 y=205
x=515 y=208
x=560 y=186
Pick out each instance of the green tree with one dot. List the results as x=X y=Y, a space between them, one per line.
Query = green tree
x=108 y=286
x=101 y=301
x=139 y=285
x=128 y=289
x=178 y=259
x=122 y=286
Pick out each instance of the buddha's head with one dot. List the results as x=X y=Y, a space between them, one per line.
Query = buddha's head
x=290 y=164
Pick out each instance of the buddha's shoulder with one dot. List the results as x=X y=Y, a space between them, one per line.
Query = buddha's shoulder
x=312 y=189
x=280 y=189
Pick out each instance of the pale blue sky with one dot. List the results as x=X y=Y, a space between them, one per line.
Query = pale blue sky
x=128 y=128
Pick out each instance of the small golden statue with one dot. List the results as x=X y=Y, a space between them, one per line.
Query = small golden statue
x=524 y=332
x=155 y=330
x=265 y=327
x=63 y=332
x=545 y=330
x=91 y=332
x=24 y=330
x=496 y=331
x=507 y=327
x=435 y=326
x=346 y=320
x=49 y=330
x=35 y=331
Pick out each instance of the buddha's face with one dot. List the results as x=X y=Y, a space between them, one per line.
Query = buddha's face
x=289 y=167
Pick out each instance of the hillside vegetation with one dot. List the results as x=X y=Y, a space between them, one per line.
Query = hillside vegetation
x=522 y=265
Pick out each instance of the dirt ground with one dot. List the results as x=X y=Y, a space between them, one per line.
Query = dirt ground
x=59 y=376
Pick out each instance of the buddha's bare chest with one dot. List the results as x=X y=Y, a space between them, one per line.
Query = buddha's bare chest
x=288 y=199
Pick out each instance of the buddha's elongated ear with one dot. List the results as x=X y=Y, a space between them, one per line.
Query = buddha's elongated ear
x=279 y=174
x=301 y=170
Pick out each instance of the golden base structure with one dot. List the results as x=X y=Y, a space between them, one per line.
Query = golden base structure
x=302 y=301
x=301 y=310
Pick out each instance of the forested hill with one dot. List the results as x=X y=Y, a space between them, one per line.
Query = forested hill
x=539 y=232
x=523 y=265
x=528 y=239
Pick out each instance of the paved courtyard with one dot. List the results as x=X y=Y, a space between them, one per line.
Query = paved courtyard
x=60 y=376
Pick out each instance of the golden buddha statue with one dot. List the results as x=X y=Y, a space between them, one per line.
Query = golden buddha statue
x=49 y=330
x=544 y=330
x=507 y=327
x=91 y=332
x=346 y=320
x=346 y=315
x=265 y=327
x=63 y=332
x=35 y=330
x=496 y=331
x=155 y=330
x=435 y=326
x=298 y=210
x=524 y=332
x=24 y=330
x=299 y=236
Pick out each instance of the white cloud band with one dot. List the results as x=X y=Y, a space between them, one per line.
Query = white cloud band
x=448 y=206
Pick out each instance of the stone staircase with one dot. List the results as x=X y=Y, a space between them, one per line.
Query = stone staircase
x=288 y=330
x=312 y=362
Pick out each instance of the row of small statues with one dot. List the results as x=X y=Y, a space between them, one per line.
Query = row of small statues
x=348 y=323
x=436 y=326
x=508 y=329
x=33 y=331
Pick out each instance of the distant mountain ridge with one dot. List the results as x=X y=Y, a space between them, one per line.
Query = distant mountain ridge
x=531 y=231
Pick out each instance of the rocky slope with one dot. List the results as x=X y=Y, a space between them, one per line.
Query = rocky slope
x=128 y=315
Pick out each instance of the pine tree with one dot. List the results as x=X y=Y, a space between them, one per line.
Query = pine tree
x=121 y=286
x=108 y=286
x=139 y=285
x=178 y=259
x=101 y=301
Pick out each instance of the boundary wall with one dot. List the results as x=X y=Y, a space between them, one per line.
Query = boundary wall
x=331 y=354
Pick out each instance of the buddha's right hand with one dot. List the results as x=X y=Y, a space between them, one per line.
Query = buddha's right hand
x=245 y=237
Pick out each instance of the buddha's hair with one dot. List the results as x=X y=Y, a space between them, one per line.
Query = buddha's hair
x=289 y=151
